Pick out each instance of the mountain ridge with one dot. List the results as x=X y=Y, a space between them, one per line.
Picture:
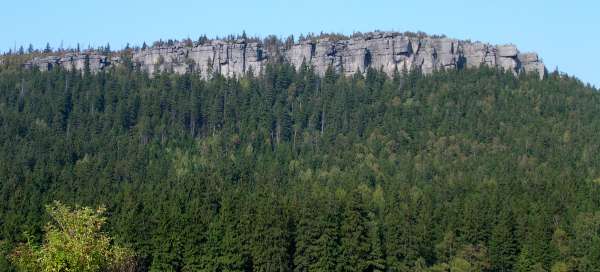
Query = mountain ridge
x=388 y=51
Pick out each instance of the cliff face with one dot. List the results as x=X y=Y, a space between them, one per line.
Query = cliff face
x=75 y=61
x=378 y=50
x=228 y=59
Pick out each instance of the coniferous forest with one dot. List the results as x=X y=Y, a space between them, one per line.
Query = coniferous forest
x=468 y=170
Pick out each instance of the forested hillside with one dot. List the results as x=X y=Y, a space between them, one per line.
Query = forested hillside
x=469 y=170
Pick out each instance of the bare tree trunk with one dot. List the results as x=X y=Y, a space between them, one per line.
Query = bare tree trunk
x=294 y=140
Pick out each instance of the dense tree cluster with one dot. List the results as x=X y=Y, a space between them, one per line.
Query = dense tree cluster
x=470 y=170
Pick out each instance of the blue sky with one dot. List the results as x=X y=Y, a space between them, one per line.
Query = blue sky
x=566 y=34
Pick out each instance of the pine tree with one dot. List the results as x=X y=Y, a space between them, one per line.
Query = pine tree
x=233 y=254
x=307 y=234
x=376 y=255
x=400 y=243
x=355 y=244
x=48 y=49
x=525 y=262
x=327 y=245
x=270 y=246
x=212 y=249
x=503 y=249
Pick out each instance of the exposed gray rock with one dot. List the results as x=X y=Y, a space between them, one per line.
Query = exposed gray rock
x=445 y=53
x=506 y=58
x=508 y=50
x=387 y=51
x=326 y=54
x=301 y=52
x=73 y=61
x=477 y=54
x=228 y=59
x=531 y=63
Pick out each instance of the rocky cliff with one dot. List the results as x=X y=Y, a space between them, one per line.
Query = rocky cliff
x=77 y=61
x=379 y=50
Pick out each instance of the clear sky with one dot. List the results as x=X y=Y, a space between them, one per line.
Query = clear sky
x=566 y=34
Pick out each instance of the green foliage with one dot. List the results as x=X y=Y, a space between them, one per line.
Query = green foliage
x=355 y=244
x=503 y=246
x=468 y=170
x=73 y=241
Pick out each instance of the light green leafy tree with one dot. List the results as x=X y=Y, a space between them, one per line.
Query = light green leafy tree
x=74 y=241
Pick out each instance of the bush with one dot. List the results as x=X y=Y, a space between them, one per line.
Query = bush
x=73 y=241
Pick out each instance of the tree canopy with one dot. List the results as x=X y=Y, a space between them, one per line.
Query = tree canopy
x=468 y=170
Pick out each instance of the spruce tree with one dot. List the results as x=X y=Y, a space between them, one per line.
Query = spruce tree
x=355 y=245
x=503 y=246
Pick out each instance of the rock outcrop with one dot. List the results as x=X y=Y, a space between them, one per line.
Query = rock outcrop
x=75 y=61
x=226 y=58
x=387 y=51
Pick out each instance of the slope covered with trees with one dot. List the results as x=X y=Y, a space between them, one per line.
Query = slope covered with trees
x=470 y=170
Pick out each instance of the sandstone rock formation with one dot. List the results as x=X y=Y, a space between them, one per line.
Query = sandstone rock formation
x=387 y=51
x=75 y=61
x=226 y=58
